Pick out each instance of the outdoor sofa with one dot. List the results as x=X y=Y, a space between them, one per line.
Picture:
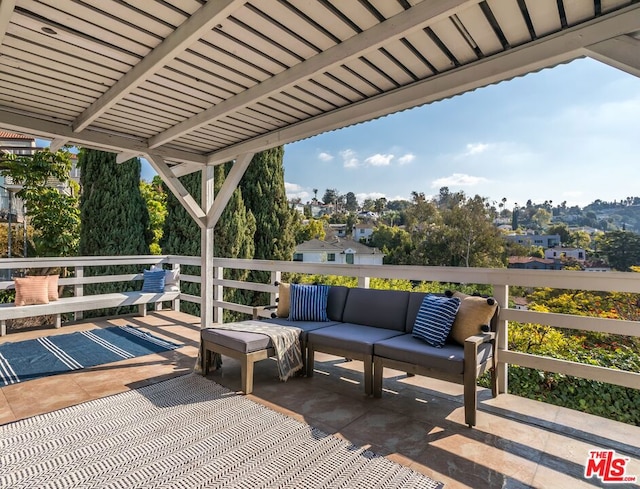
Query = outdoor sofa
x=377 y=327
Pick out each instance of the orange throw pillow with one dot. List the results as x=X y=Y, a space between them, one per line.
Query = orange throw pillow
x=52 y=286
x=32 y=290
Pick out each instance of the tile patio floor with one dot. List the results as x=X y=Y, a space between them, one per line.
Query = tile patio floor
x=418 y=422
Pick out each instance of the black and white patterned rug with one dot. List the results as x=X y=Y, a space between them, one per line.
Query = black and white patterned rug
x=187 y=432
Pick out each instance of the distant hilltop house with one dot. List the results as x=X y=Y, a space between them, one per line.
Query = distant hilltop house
x=578 y=254
x=544 y=240
x=337 y=252
x=338 y=230
x=363 y=232
x=534 y=263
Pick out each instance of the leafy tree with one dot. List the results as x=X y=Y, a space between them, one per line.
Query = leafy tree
x=54 y=215
x=541 y=218
x=156 y=200
x=562 y=230
x=351 y=202
x=622 y=249
x=580 y=239
x=330 y=196
x=368 y=205
x=313 y=229
x=114 y=218
x=395 y=243
x=380 y=205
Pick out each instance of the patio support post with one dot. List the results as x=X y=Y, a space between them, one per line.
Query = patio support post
x=501 y=294
x=206 y=251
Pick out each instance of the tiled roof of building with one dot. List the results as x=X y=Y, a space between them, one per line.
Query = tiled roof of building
x=12 y=135
x=337 y=246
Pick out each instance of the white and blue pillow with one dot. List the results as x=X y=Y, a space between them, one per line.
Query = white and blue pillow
x=153 y=281
x=435 y=319
x=308 y=302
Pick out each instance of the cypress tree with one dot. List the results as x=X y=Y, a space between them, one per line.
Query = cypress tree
x=113 y=217
x=265 y=196
x=233 y=235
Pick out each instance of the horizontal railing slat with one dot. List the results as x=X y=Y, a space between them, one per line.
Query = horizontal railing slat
x=566 y=367
x=570 y=321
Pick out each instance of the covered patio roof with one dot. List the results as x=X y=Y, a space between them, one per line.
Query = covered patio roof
x=189 y=84
x=192 y=83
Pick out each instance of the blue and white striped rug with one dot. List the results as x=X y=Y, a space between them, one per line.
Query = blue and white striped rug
x=31 y=359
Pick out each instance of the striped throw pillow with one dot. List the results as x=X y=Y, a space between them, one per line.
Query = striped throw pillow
x=308 y=302
x=435 y=318
x=153 y=281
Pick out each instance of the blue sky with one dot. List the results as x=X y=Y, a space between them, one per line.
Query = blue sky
x=564 y=134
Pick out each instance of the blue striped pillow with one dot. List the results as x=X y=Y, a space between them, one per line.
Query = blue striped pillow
x=308 y=302
x=435 y=318
x=153 y=281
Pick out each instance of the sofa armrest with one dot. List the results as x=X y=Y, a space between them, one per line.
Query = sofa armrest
x=261 y=311
x=471 y=345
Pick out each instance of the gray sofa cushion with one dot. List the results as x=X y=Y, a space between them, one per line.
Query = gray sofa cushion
x=237 y=340
x=352 y=337
x=336 y=301
x=377 y=308
x=449 y=358
x=305 y=326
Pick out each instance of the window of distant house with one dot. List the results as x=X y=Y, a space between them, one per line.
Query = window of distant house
x=361 y=231
x=297 y=257
x=331 y=257
x=350 y=258
x=580 y=255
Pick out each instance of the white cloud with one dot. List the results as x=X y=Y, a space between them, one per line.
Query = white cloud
x=406 y=159
x=349 y=158
x=369 y=195
x=476 y=148
x=325 y=156
x=458 y=180
x=379 y=160
x=295 y=191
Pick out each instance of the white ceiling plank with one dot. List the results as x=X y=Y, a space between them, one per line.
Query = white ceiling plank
x=21 y=123
x=176 y=187
x=398 y=26
x=185 y=169
x=57 y=144
x=6 y=11
x=122 y=157
x=557 y=48
x=231 y=182
x=185 y=35
x=620 y=52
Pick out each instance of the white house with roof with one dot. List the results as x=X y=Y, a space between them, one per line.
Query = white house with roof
x=544 y=240
x=337 y=252
x=363 y=231
x=578 y=254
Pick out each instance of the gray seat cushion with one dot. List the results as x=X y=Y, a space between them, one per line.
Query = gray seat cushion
x=377 y=308
x=406 y=348
x=351 y=337
x=237 y=340
x=305 y=326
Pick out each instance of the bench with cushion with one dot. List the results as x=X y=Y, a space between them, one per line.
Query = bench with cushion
x=377 y=327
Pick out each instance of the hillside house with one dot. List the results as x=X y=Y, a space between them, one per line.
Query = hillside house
x=337 y=252
x=534 y=263
x=363 y=232
x=544 y=240
x=578 y=254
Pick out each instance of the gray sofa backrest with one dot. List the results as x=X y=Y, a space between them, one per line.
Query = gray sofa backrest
x=377 y=308
x=336 y=301
x=415 y=301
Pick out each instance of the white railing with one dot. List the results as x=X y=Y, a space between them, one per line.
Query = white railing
x=75 y=278
x=499 y=279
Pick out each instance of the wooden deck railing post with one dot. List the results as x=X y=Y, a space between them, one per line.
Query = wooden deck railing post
x=276 y=276
x=501 y=293
x=218 y=294
x=78 y=289
x=363 y=282
x=176 y=303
